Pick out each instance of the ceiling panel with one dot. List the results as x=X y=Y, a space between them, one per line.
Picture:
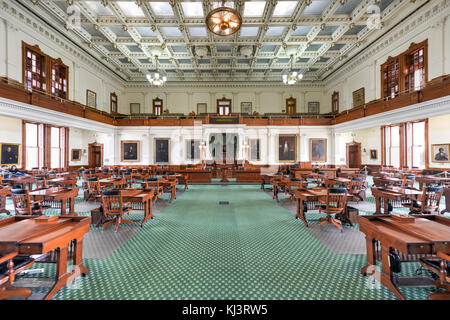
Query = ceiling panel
x=162 y=9
x=316 y=7
x=130 y=9
x=285 y=8
x=254 y=8
x=160 y=28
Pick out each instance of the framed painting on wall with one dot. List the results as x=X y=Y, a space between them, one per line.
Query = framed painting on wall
x=10 y=154
x=162 y=146
x=318 y=150
x=440 y=152
x=193 y=149
x=201 y=108
x=287 y=148
x=130 y=150
x=373 y=154
x=91 y=99
x=255 y=152
x=358 y=98
x=76 y=155
x=246 y=107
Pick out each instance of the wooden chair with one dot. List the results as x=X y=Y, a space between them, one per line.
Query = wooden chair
x=11 y=264
x=94 y=190
x=41 y=183
x=408 y=181
x=154 y=184
x=335 y=204
x=328 y=183
x=113 y=206
x=294 y=184
x=23 y=204
x=428 y=203
x=356 y=186
x=441 y=268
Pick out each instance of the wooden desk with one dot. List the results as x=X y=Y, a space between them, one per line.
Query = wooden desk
x=330 y=173
x=428 y=234
x=172 y=184
x=63 y=182
x=25 y=181
x=247 y=176
x=140 y=196
x=393 y=194
x=303 y=196
x=58 y=194
x=26 y=236
x=107 y=182
x=197 y=175
x=4 y=191
x=426 y=180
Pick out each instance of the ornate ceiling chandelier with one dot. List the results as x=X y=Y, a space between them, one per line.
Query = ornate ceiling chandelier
x=289 y=76
x=157 y=78
x=224 y=21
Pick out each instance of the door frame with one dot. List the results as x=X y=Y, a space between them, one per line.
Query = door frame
x=90 y=150
x=359 y=155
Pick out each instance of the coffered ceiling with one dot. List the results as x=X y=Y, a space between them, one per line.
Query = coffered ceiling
x=127 y=35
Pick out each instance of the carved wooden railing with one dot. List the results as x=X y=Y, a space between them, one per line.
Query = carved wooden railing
x=13 y=90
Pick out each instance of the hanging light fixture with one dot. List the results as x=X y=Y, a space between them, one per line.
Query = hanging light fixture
x=224 y=21
x=157 y=78
x=289 y=76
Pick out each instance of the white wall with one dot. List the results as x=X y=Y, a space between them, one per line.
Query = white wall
x=439 y=133
x=11 y=131
x=264 y=100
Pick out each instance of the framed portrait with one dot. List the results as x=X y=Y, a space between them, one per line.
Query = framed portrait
x=358 y=98
x=246 y=107
x=287 y=148
x=76 y=155
x=201 y=108
x=91 y=99
x=255 y=151
x=193 y=149
x=440 y=152
x=10 y=154
x=162 y=146
x=373 y=154
x=130 y=150
x=318 y=150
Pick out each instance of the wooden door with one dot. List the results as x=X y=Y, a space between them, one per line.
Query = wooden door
x=291 y=106
x=95 y=155
x=354 y=155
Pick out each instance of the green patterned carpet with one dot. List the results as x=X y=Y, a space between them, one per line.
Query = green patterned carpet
x=250 y=249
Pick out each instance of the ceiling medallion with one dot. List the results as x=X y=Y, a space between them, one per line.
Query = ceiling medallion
x=224 y=21
x=289 y=76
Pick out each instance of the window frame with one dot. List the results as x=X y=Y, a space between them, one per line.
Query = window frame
x=48 y=64
x=403 y=69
